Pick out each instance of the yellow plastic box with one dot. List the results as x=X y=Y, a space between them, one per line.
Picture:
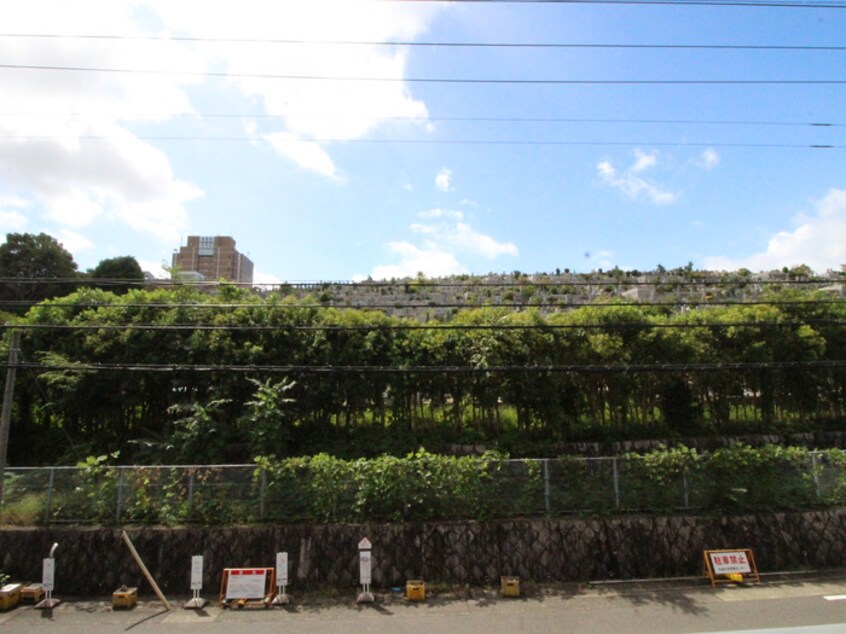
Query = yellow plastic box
x=124 y=598
x=33 y=593
x=510 y=586
x=10 y=595
x=415 y=590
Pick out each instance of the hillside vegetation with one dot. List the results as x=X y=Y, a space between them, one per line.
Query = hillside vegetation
x=179 y=376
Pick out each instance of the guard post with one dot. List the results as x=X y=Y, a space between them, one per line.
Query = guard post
x=48 y=577
x=365 y=571
x=281 y=598
x=196 y=602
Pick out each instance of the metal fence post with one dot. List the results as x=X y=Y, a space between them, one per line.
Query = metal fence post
x=262 y=494
x=616 y=482
x=546 y=485
x=815 y=474
x=48 y=505
x=119 y=502
x=686 y=491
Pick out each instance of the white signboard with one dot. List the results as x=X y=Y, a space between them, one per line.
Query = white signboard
x=246 y=583
x=729 y=562
x=48 y=571
x=197 y=572
x=364 y=565
x=281 y=569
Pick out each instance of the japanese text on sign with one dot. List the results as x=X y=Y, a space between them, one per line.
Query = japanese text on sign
x=246 y=583
x=725 y=563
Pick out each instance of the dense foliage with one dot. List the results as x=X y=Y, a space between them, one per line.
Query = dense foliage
x=239 y=375
x=423 y=486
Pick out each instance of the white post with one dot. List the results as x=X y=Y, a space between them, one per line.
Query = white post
x=365 y=571
x=196 y=602
x=281 y=597
x=48 y=580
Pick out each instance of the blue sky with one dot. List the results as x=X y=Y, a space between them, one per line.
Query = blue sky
x=370 y=168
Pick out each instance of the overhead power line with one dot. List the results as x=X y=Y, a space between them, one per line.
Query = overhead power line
x=786 y=4
x=668 y=279
x=423 y=304
x=476 y=142
x=366 y=369
x=427 y=44
x=468 y=119
x=435 y=80
x=429 y=326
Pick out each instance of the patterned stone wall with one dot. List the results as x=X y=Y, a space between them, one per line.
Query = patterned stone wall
x=93 y=562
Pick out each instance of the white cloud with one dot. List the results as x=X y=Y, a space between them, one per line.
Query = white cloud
x=12 y=218
x=66 y=146
x=446 y=237
x=708 y=160
x=156 y=269
x=630 y=181
x=73 y=241
x=312 y=111
x=307 y=154
x=429 y=260
x=12 y=221
x=261 y=277
x=816 y=240
x=71 y=156
x=443 y=181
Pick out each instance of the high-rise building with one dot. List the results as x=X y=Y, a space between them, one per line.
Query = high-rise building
x=213 y=258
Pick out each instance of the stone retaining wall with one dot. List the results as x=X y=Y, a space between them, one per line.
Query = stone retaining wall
x=95 y=561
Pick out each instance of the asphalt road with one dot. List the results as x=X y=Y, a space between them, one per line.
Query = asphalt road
x=810 y=605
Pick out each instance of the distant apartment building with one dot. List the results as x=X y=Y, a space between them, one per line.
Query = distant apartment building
x=213 y=258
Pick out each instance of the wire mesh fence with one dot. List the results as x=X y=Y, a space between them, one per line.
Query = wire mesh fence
x=338 y=491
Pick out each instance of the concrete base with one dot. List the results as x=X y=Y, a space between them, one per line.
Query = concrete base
x=197 y=603
x=281 y=599
x=47 y=604
x=366 y=597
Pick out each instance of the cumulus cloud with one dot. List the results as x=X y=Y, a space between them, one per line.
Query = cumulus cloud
x=307 y=154
x=446 y=237
x=816 y=240
x=73 y=241
x=429 y=260
x=345 y=109
x=708 y=159
x=631 y=181
x=69 y=152
x=443 y=181
x=12 y=218
x=68 y=145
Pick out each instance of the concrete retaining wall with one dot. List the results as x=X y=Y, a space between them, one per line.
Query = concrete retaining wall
x=95 y=561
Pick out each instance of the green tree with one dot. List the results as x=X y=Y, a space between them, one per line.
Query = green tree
x=119 y=274
x=34 y=267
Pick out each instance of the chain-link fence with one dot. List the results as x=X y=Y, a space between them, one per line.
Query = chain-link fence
x=227 y=494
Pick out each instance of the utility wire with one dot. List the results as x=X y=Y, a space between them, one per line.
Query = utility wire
x=423 y=304
x=436 y=80
x=366 y=369
x=770 y=4
x=477 y=142
x=422 y=284
x=430 y=44
x=432 y=326
x=293 y=115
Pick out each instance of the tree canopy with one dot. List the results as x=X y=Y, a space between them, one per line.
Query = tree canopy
x=118 y=274
x=31 y=267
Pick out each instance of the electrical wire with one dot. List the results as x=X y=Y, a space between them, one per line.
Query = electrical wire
x=426 y=44
x=376 y=327
x=366 y=369
x=417 y=284
x=294 y=115
x=477 y=142
x=434 y=80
